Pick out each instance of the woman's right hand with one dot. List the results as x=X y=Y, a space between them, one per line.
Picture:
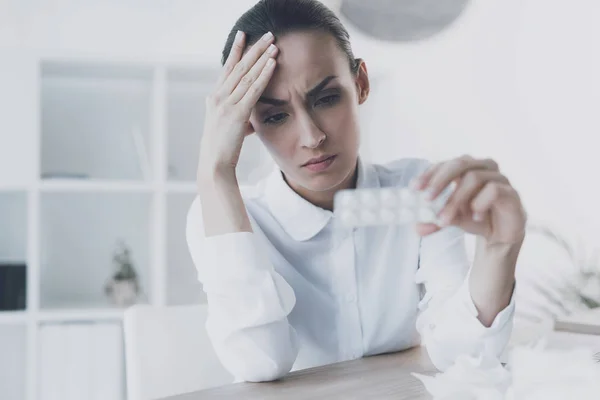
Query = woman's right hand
x=240 y=85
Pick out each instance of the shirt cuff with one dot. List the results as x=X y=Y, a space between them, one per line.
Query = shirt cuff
x=501 y=319
x=457 y=322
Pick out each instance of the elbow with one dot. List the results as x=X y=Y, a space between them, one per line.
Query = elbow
x=253 y=371
x=259 y=355
x=258 y=366
x=441 y=360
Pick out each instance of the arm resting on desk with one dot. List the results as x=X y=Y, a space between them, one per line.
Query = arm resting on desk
x=448 y=321
x=248 y=303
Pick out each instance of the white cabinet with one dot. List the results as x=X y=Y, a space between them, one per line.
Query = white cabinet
x=13 y=348
x=93 y=153
x=18 y=118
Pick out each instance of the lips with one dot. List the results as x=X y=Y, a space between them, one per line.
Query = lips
x=317 y=160
x=320 y=164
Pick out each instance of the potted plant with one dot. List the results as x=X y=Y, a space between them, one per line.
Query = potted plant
x=123 y=287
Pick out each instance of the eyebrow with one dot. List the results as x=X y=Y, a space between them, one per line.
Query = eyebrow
x=311 y=93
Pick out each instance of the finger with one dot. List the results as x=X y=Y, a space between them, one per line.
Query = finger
x=245 y=64
x=258 y=87
x=493 y=193
x=469 y=186
x=427 y=229
x=421 y=181
x=252 y=75
x=453 y=170
x=235 y=54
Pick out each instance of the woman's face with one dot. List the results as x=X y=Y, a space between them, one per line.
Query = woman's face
x=309 y=111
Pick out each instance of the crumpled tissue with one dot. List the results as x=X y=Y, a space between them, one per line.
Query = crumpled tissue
x=532 y=373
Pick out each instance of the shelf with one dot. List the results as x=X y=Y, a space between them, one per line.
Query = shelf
x=95 y=121
x=78 y=69
x=91 y=185
x=12 y=317
x=183 y=286
x=13 y=348
x=12 y=188
x=93 y=314
x=79 y=234
x=13 y=254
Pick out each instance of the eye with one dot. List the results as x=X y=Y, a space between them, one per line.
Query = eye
x=275 y=119
x=328 y=100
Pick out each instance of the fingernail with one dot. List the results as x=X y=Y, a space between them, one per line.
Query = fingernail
x=477 y=217
x=414 y=183
x=238 y=36
x=271 y=49
x=267 y=36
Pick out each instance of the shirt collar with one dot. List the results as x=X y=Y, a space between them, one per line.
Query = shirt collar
x=298 y=217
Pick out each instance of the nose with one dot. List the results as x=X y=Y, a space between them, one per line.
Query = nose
x=311 y=135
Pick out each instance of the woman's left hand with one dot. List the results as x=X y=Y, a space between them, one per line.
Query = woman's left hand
x=483 y=202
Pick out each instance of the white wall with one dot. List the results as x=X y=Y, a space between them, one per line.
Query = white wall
x=124 y=29
x=513 y=79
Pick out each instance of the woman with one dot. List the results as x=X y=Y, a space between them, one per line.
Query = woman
x=281 y=296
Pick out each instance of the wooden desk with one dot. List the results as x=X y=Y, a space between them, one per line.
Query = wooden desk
x=378 y=377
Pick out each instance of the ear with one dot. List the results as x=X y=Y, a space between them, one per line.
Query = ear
x=362 y=81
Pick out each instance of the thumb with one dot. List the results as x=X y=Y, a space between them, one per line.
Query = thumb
x=427 y=229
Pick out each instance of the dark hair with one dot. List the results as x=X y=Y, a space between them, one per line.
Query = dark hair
x=284 y=16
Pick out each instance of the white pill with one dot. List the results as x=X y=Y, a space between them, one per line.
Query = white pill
x=368 y=199
x=388 y=198
x=386 y=216
x=368 y=217
x=407 y=197
x=406 y=214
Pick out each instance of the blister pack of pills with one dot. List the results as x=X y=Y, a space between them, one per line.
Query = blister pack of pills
x=387 y=206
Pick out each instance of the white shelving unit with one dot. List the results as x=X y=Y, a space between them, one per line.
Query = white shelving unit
x=106 y=151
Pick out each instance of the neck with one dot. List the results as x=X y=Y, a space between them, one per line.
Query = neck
x=324 y=199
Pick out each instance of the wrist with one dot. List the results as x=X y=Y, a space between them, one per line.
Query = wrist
x=495 y=263
x=499 y=250
x=211 y=172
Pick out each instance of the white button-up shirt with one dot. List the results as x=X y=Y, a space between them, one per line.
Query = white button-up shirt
x=301 y=291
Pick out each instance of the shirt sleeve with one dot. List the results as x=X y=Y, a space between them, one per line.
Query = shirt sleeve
x=248 y=302
x=447 y=321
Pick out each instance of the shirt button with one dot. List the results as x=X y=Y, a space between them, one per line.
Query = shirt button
x=350 y=298
x=432 y=326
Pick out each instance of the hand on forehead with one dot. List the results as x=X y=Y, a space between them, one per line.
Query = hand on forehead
x=304 y=60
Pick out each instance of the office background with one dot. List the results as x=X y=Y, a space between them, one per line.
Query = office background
x=101 y=108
